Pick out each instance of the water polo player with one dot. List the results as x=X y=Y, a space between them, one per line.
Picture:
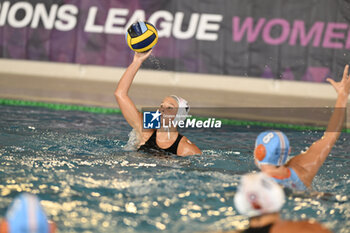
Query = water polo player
x=272 y=147
x=261 y=199
x=166 y=139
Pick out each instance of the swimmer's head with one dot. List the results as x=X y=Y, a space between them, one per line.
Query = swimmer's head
x=257 y=195
x=25 y=214
x=271 y=147
x=168 y=109
x=174 y=108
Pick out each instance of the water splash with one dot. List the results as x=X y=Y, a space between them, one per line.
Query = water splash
x=155 y=61
x=133 y=141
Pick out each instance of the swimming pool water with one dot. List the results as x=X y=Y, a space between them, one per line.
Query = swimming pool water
x=75 y=162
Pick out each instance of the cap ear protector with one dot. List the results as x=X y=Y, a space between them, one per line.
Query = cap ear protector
x=4 y=228
x=260 y=152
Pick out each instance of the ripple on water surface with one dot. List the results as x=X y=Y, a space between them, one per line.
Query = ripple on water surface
x=75 y=162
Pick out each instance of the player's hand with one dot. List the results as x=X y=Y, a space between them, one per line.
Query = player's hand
x=342 y=87
x=141 y=57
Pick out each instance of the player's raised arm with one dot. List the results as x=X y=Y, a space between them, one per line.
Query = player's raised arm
x=127 y=106
x=318 y=152
x=336 y=122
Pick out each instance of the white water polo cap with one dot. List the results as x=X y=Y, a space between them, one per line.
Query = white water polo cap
x=183 y=109
x=258 y=194
x=271 y=147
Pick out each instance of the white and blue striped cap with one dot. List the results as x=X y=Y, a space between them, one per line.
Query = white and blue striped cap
x=25 y=215
x=271 y=147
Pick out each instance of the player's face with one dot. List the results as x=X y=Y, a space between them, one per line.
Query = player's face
x=168 y=108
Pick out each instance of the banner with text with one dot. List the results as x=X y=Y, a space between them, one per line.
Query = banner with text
x=289 y=39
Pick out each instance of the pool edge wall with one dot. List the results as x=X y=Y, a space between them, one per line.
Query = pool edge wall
x=95 y=85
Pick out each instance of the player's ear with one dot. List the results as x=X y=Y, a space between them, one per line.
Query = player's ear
x=3 y=226
x=53 y=227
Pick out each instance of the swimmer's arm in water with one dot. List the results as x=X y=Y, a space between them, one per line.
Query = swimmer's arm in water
x=186 y=147
x=127 y=106
x=314 y=157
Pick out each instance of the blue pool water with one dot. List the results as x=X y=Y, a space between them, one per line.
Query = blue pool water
x=75 y=162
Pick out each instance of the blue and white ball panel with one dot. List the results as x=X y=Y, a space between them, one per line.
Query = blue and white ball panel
x=139 y=28
x=143 y=27
x=277 y=147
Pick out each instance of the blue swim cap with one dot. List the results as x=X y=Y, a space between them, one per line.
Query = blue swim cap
x=26 y=215
x=271 y=147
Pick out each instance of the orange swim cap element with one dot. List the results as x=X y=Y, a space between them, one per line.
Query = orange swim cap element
x=260 y=152
x=53 y=227
x=3 y=226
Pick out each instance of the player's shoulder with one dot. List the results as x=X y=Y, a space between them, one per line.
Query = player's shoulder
x=186 y=147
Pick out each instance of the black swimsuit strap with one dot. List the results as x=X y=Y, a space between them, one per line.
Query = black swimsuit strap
x=151 y=143
x=153 y=137
x=264 y=229
x=175 y=145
